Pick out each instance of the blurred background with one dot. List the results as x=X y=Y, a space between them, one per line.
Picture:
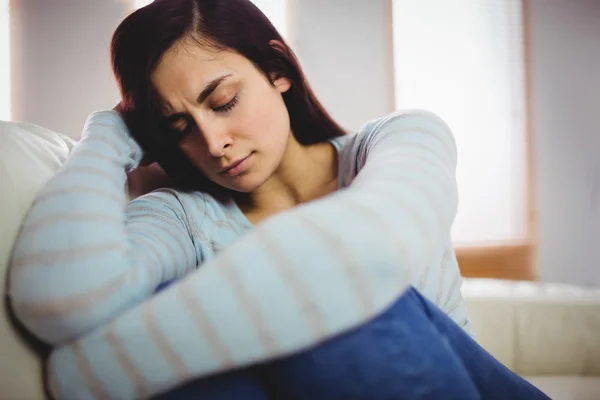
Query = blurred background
x=518 y=81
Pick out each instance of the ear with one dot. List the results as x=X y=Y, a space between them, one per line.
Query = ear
x=281 y=83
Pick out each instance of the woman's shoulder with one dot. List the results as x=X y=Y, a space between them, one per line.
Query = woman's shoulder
x=415 y=119
x=354 y=148
x=196 y=204
x=414 y=122
x=189 y=208
x=208 y=217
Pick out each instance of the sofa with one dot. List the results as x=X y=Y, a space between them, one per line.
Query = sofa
x=548 y=333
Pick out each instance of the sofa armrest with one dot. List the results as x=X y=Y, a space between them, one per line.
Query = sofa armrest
x=537 y=328
x=29 y=157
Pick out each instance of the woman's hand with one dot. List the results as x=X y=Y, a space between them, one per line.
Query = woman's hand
x=148 y=176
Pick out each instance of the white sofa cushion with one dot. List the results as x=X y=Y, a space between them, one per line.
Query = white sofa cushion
x=29 y=156
x=568 y=387
x=537 y=328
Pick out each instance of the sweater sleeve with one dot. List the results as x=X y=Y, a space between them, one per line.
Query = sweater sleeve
x=298 y=279
x=81 y=258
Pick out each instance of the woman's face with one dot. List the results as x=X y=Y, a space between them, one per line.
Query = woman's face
x=233 y=123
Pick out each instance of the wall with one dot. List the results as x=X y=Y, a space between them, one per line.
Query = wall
x=61 y=70
x=565 y=50
x=60 y=64
x=344 y=47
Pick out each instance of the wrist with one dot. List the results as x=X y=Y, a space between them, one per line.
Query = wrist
x=112 y=125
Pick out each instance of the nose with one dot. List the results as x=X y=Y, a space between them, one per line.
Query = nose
x=215 y=136
x=217 y=145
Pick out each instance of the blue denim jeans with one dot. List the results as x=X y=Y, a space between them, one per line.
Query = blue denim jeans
x=411 y=351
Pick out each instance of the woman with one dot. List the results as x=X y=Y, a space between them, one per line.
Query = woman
x=280 y=265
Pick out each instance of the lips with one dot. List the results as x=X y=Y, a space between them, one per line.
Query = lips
x=231 y=167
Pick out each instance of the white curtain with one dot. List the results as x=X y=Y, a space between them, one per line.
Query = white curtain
x=463 y=59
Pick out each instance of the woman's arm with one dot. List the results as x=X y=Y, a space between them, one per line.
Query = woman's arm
x=81 y=259
x=298 y=279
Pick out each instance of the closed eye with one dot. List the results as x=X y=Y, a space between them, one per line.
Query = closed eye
x=229 y=106
x=179 y=125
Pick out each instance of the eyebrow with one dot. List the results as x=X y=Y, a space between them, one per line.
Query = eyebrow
x=207 y=91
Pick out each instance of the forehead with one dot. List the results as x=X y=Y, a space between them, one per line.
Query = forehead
x=187 y=65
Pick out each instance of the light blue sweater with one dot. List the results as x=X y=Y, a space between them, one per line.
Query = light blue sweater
x=87 y=264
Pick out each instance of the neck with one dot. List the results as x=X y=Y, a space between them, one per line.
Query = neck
x=305 y=173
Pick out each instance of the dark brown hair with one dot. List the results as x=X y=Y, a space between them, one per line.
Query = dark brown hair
x=141 y=40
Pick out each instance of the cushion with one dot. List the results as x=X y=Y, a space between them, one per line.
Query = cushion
x=568 y=387
x=29 y=156
x=537 y=328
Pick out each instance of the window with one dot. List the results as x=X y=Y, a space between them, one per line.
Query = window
x=463 y=59
x=5 y=87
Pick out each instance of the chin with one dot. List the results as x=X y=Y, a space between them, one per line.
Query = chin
x=246 y=185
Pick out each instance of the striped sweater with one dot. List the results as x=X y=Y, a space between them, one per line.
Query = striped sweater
x=87 y=264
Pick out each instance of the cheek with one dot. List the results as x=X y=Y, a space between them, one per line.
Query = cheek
x=266 y=120
x=194 y=149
